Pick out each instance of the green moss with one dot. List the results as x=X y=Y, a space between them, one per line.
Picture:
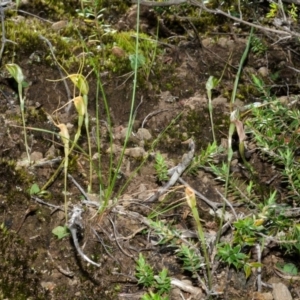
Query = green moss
x=246 y=92
x=25 y=35
x=13 y=182
x=126 y=42
x=53 y=9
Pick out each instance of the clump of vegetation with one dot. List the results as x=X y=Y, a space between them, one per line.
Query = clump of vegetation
x=161 y=167
x=258 y=46
x=16 y=72
x=159 y=285
x=277 y=10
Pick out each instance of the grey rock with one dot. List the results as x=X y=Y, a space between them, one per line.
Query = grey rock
x=144 y=134
x=281 y=292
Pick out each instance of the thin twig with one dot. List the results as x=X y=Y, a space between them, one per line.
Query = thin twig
x=56 y=207
x=33 y=15
x=129 y=237
x=116 y=238
x=152 y=114
x=67 y=273
x=68 y=107
x=138 y=106
x=104 y=246
x=228 y=204
x=195 y=291
x=80 y=188
x=258 y=250
x=50 y=162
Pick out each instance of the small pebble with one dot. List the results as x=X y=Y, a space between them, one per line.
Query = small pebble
x=281 y=292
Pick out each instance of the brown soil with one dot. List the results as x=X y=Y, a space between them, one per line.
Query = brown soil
x=34 y=264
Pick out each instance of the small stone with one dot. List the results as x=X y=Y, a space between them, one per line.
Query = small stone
x=284 y=100
x=36 y=156
x=220 y=101
x=207 y=42
x=118 y=52
x=114 y=149
x=234 y=163
x=176 y=293
x=262 y=296
x=96 y=156
x=59 y=25
x=263 y=71
x=136 y=152
x=231 y=44
x=123 y=133
x=51 y=152
x=143 y=192
x=281 y=292
x=222 y=42
x=48 y=285
x=144 y=134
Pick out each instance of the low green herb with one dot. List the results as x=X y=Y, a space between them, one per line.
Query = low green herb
x=232 y=255
x=61 y=232
x=161 y=167
x=191 y=259
x=161 y=283
x=288 y=268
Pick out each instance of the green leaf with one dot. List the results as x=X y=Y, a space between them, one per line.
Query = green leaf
x=211 y=83
x=290 y=269
x=247 y=270
x=34 y=190
x=80 y=82
x=16 y=72
x=141 y=60
x=61 y=231
x=25 y=84
x=297 y=227
x=258 y=82
x=144 y=272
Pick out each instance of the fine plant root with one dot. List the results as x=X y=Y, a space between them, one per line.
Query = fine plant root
x=40 y=201
x=228 y=204
x=286 y=276
x=154 y=113
x=50 y=162
x=129 y=237
x=116 y=239
x=104 y=246
x=31 y=209
x=67 y=273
